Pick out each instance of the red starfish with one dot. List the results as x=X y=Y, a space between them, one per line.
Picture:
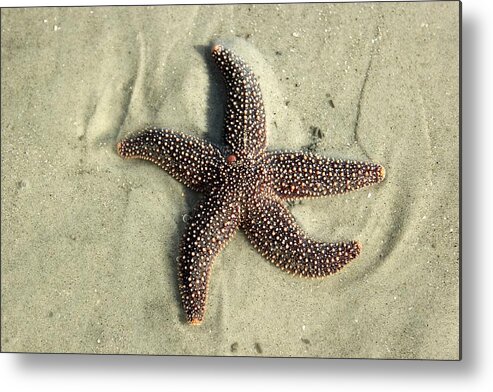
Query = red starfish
x=245 y=187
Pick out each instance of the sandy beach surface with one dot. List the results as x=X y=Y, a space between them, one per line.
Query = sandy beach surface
x=89 y=241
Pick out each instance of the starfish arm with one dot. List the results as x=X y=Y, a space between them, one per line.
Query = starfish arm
x=299 y=175
x=244 y=128
x=273 y=232
x=190 y=160
x=212 y=224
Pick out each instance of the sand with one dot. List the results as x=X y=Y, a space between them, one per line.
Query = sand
x=89 y=241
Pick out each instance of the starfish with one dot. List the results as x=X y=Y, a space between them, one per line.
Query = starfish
x=246 y=187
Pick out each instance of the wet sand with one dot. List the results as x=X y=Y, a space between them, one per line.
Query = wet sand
x=89 y=241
